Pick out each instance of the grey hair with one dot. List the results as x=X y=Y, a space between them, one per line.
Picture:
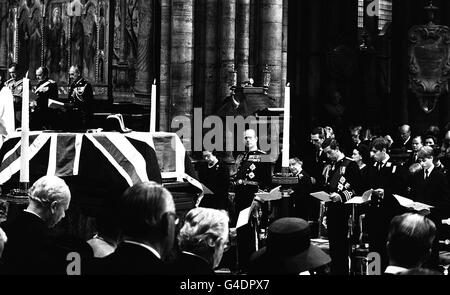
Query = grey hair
x=48 y=189
x=201 y=224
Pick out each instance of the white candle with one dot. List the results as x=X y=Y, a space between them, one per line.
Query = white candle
x=24 y=164
x=153 y=108
x=287 y=116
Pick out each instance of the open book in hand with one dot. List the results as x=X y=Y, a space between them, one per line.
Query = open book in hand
x=408 y=203
x=54 y=104
x=361 y=199
x=274 y=194
x=243 y=218
x=322 y=196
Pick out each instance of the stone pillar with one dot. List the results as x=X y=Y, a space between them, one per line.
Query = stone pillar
x=3 y=32
x=143 y=83
x=181 y=72
x=164 y=81
x=242 y=39
x=211 y=56
x=254 y=37
x=271 y=43
x=284 y=52
x=43 y=34
x=227 y=44
x=123 y=30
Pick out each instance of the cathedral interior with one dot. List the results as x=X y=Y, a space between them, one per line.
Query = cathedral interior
x=345 y=67
x=379 y=64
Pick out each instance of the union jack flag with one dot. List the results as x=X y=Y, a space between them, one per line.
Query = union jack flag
x=130 y=156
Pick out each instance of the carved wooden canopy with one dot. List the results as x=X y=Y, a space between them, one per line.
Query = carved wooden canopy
x=429 y=63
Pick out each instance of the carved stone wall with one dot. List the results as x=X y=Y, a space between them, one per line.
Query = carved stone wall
x=4 y=38
x=57 y=34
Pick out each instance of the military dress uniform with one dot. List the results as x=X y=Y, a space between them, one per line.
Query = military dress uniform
x=81 y=96
x=341 y=177
x=41 y=116
x=392 y=179
x=253 y=173
x=16 y=87
x=315 y=162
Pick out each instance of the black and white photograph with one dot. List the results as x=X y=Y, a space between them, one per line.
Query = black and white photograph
x=225 y=146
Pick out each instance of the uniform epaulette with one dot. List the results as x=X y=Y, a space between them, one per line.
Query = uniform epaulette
x=8 y=81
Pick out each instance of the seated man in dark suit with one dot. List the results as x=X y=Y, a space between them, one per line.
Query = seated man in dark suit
x=31 y=249
x=416 y=146
x=404 y=142
x=146 y=213
x=202 y=240
x=409 y=243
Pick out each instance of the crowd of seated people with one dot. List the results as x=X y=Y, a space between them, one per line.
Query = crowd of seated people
x=145 y=237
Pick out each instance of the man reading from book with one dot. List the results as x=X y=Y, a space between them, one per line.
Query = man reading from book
x=46 y=89
x=430 y=186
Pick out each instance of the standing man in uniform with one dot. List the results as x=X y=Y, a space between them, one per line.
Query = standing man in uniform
x=16 y=87
x=314 y=162
x=253 y=173
x=45 y=89
x=81 y=97
x=386 y=179
x=341 y=178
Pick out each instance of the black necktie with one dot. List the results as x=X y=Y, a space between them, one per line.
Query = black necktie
x=426 y=174
x=379 y=165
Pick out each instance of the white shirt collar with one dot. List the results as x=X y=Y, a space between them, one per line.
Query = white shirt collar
x=34 y=213
x=392 y=269
x=151 y=249
x=430 y=169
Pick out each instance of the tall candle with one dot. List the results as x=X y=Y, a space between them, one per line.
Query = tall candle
x=24 y=149
x=153 y=108
x=287 y=116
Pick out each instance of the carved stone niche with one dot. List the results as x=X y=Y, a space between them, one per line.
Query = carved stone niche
x=429 y=62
